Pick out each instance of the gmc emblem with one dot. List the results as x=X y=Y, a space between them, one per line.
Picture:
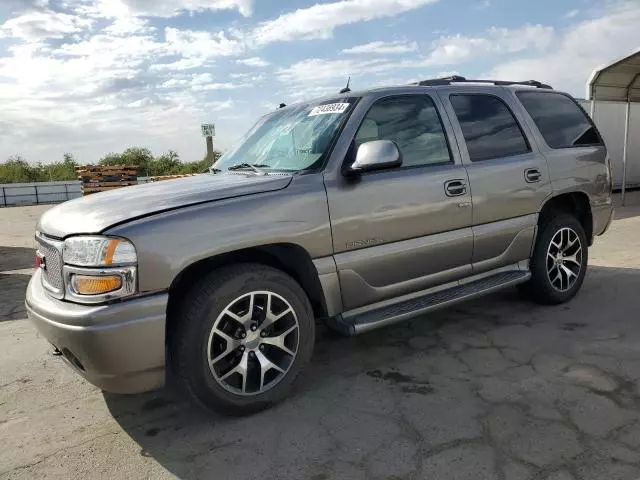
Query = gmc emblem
x=40 y=261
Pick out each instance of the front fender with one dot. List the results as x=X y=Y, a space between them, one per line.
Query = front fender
x=169 y=242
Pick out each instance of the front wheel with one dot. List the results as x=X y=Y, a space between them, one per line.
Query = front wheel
x=245 y=334
x=559 y=261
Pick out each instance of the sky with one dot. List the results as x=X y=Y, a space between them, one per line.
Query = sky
x=97 y=76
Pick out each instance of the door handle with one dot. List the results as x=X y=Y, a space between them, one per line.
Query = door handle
x=532 y=175
x=455 y=188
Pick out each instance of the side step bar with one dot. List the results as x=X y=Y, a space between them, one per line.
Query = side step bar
x=402 y=310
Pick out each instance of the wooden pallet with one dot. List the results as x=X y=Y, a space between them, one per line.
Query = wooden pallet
x=171 y=177
x=86 y=190
x=108 y=184
x=106 y=168
x=107 y=178
x=102 y=178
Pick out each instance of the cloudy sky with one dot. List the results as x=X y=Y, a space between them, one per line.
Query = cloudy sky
x=94 y=76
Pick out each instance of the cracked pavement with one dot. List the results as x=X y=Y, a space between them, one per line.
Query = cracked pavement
x=497 y=388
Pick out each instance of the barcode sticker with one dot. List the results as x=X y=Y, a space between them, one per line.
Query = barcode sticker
x=330 y=108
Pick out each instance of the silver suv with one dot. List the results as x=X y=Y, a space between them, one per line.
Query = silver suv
x=360 y=210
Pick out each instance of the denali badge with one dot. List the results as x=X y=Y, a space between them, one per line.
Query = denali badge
x=364 y=243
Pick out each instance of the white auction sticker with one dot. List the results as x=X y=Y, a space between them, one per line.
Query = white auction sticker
x=330 y=108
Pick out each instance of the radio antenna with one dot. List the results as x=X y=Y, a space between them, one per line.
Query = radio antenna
x=346 y=89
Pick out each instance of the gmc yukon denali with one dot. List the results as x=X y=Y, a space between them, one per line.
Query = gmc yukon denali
x=359 y=210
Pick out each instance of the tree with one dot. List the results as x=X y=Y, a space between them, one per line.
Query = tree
x=166 y=164
x=16 y=170
x=65 y=170
x=111 y=159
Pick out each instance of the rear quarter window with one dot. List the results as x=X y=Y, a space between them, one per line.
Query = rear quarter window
x=560 y=120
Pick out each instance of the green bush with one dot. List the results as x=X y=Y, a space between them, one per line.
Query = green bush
x=17 y=170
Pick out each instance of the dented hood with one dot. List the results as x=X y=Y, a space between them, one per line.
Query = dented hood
x=99 y=211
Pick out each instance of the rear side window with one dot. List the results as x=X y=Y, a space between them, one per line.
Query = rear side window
x=489 y=128
x=562 y=122
x=412 y=122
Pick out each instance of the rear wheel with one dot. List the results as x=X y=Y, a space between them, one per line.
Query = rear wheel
x=245 y=334
x=559 y=261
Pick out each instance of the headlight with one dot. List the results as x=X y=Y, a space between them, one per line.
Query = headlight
x=99 y=269
x=98 y=252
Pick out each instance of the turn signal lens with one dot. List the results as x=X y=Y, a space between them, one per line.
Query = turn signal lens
x=95 y=285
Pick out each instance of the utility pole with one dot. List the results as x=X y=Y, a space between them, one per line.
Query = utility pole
x=209 y=131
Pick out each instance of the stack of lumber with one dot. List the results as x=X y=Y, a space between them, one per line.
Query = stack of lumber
x=170 y=177
x=101 y=178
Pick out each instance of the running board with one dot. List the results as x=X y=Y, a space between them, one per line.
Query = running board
x=355 y=324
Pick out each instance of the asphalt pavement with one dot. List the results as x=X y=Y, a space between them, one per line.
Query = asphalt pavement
x=497 y=388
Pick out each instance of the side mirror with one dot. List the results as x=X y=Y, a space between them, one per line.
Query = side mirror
x=376 y=155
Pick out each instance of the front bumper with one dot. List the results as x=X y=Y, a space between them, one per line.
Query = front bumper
x=118 y=347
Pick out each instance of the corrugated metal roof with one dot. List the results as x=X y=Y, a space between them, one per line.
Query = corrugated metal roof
x=619 y=81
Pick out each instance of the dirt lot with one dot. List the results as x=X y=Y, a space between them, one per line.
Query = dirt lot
x=495 y=389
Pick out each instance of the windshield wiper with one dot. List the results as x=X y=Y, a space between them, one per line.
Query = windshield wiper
x=249 y=166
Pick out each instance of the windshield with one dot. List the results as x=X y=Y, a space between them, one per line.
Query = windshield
x=293 y=139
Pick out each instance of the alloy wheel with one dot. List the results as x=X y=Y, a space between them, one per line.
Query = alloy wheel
x=253 y=343
x=564 y=259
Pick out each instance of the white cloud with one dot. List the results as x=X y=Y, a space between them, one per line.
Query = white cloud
x=319 y=21
x=178 y=65
x=201 y=44
x=315 y=71
x=579 y=50
x=161 y=8
x=127 y=25
x=383 y=48
x=454 y=49
x=571 y=13
x=248 y=77
x=35 y=25
x=111 y=79
x=254 y=62
x=204 y=87
x=450 y=50
x=224 y=105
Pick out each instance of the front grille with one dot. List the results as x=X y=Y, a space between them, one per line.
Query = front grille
x=52 y=273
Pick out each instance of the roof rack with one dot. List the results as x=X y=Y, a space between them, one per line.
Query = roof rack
x=458 y=79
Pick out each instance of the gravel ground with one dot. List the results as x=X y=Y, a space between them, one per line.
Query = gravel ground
x=495 y=389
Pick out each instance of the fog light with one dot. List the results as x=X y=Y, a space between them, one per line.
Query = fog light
x=95 y=285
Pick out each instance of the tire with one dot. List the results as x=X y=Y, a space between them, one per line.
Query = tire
x=544 y=286
x=215 y=316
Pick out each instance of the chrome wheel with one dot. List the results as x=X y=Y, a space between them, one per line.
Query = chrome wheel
x=253 y=343
x=564 y=259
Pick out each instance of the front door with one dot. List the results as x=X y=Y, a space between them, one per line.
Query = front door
x=405 y=229
x=509 y=177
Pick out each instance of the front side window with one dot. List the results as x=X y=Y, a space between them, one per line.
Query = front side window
x=412 y=122
x=292 y=139
x=489 y=128
x=562 y=122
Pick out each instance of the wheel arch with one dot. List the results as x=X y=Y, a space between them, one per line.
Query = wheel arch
x=290 y=258
x=575 y=203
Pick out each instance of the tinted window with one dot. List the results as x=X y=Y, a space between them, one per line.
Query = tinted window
x=488 y=126
x=560 y=120
x=413 y=123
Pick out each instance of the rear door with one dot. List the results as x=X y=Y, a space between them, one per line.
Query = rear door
x=509 y=177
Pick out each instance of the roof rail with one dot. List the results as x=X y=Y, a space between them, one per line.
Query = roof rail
x=458 y=79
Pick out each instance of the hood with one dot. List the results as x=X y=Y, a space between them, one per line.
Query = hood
x=94 y=213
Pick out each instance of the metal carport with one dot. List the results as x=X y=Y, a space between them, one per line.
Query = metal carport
x=617 y=82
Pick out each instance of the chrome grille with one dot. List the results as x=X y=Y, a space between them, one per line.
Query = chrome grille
x=52 y=273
